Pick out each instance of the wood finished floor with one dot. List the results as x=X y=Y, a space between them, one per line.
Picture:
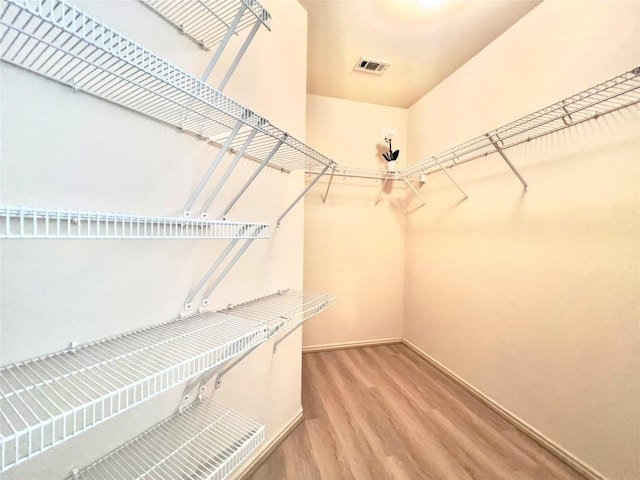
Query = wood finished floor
x=384 y=413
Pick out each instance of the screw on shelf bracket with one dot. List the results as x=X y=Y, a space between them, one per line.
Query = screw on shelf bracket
x=506 y=159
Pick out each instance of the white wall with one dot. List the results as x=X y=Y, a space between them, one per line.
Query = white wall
x=354 y=248
x=534 y=298
x=70 y=150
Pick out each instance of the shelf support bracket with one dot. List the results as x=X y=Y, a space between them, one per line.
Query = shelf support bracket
x=506 y=159
x=225 y=253
x=466 y=197
x=228 y=172
x=283 y=337
x=326 y=194
x=255 y=174
x=227 y=269
x=414 y=191
x=221 y=373
x=304 y=192
x=223 y=44
x=240 y=54
x=212 y=168
x=384 y=182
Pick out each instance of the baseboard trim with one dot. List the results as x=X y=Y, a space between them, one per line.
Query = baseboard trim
x=345 y=345
x=545 y=442
x=251 y=467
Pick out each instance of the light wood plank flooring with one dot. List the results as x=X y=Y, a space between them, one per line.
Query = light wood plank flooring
x=384 y=413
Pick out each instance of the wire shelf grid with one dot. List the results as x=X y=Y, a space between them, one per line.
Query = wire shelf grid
x=293 y=307
x=62 y=43
x=206 y=21
x=50 y=223
x=608 y=96
x=205 y=441
x=47 y=400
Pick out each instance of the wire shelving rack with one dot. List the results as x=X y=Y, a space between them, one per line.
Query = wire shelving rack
x=204 y=441
x=207 y=22
x=51 y=223
x=618 y=92
x=47 y=400
x=61 y=42
x=294 y=307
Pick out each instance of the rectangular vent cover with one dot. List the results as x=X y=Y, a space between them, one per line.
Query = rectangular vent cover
x=371 y=66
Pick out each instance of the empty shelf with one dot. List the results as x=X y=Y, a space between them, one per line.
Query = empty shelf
x=29 y=222
x=206 y=22
x=205 y=441
x=291 y=306
x=619 y=92
x=47 y=400
x=61 y=42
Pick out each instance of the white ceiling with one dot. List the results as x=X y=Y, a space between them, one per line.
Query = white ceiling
x=424 y=45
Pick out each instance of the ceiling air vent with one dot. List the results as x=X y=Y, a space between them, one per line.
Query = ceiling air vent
x=371 y=66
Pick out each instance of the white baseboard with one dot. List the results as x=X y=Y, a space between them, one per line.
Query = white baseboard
x=250 y=468
x=341 y=346
x=568 y=458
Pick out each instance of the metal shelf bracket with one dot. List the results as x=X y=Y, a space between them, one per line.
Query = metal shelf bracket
x=304 y=192
x=212 y=168
x=254 y=175
x=466 y=197
x=228 y=172
x=506 y=159
x=188 y=303
x=424 y=202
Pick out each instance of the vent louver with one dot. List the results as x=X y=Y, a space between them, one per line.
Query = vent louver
x=371 y=66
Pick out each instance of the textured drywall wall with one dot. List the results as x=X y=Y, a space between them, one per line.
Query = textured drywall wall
x=354 y=240
x=70 y=150
x=533 y=298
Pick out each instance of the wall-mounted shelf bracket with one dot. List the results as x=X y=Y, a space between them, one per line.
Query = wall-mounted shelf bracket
x=188 y=303
x=254 y=175
x=415 y=190
x=212 y=168
x=506 y=159
x=231 y=31
x=227 y=269
x=223 y=371
x=384 y=182
x=326 y=193
x=304 y=192
x=228 y=172
x=466 y=197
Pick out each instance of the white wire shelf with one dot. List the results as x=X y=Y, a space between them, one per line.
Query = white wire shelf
x=293 y=307
x=205 y=441
x=52 y=223
x=342 y=171
x=614 y=94
x=61 y=42
x=206 y=22
x=47 y=400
